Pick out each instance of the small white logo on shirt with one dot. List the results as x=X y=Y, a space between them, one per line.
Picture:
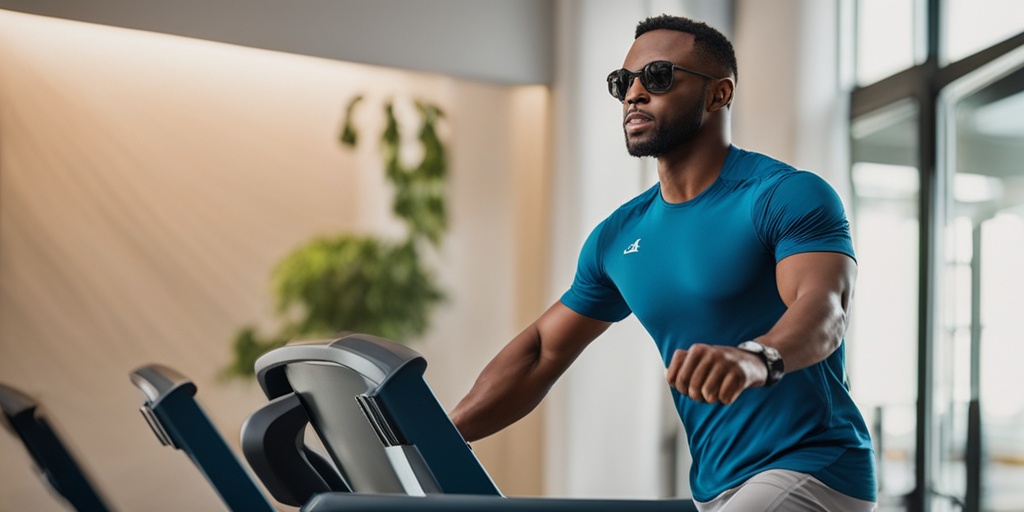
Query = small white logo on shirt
x=633 y=247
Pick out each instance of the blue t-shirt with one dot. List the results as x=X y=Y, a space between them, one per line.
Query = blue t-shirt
x=703 y=271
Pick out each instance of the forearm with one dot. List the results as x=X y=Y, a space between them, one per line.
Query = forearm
x=519 y=377
x=817 y=289
x=508 y=388
x=810 y=330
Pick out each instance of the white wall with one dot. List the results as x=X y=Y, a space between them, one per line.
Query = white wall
x=148 y=185
x=790 y=103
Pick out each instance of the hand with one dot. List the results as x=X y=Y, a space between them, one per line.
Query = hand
x=714 y=373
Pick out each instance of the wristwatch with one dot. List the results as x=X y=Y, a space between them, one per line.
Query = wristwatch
x=772 y=360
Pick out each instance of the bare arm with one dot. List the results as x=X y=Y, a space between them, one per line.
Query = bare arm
x=521 y=374
x=816 y=288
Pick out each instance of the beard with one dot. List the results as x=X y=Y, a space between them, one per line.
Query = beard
x=667 y=137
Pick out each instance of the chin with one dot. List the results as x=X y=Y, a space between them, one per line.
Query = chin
x=640 y=149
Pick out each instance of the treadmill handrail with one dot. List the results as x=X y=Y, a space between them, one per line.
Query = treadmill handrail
x=157 y=382
x=374 y=358
x=171 y=402
x=24 y=417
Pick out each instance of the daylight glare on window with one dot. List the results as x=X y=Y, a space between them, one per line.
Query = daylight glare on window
x=886 y=32
x=971 y=25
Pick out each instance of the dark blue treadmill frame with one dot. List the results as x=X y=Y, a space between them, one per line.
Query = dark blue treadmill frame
x=178 y=421
x=60 y=468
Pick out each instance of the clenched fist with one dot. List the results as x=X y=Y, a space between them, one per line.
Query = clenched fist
x=714 y=373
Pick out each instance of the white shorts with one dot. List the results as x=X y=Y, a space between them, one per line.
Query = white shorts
x=783 y=490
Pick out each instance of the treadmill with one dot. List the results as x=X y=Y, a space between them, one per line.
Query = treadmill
x=388 y=442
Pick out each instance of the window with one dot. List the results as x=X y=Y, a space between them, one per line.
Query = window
x=885 y=223
x=980 y=452
x=973 y=25
x=937 y=137
x=888 y=38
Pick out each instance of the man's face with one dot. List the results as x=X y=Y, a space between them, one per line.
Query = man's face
x=667 y=132
x=654 y=124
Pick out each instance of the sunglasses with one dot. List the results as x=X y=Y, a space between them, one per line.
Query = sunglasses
x=656 y=77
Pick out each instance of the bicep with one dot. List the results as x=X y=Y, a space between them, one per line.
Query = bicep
x=829 y=275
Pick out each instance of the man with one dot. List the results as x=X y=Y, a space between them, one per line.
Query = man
x=740 y=267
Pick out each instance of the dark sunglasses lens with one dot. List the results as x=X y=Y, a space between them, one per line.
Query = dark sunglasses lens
x=618 y=83
x=658 y=76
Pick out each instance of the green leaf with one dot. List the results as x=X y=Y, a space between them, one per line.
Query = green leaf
x=349 y=136
x=352 y=283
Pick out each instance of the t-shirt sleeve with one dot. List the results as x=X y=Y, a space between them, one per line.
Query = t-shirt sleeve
x=800 y=212
x=592 y=294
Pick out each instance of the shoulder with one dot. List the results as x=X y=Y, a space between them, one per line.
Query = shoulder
x=776 y=179
x=742 y=164
x=799 y=187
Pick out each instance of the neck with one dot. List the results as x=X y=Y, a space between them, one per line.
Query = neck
x=693 y=166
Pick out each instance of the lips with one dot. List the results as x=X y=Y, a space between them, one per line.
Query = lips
x=636 y=120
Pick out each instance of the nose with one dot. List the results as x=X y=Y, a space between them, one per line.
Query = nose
x=636 y=93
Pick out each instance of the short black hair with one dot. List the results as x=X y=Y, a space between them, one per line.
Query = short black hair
x=711 y=44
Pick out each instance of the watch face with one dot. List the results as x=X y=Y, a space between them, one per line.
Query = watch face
x=771 y=358
x=752 y=346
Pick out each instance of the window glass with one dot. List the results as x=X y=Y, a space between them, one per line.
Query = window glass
x=887 y=32
x=978 y=345
x=886 y=228
x=972 y=25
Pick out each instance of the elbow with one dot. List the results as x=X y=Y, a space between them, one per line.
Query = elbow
x=831 y=345
x=834 y=337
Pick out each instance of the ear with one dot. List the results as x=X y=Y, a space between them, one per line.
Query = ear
x=721 y=94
